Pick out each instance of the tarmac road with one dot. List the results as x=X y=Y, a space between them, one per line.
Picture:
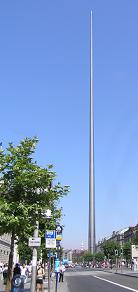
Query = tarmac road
x=98 y=282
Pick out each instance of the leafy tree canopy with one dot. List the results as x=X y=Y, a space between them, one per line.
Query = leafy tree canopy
x=109 y=248
x=127 y=251
x=99 y=256
x=88 y=256
x=135 y=238
x=25 y=190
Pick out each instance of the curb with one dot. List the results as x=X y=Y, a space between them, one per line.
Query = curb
x=127 y=275
x=122 y=274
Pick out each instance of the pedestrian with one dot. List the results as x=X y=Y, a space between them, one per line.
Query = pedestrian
x=1 y=272
x=17 y=270
x=61 y=272
x=24 y=272
x=132 y=264
x=111 y=264
x=5 y=273
x=39 y=278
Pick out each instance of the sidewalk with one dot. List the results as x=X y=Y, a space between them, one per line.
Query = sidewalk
x=27 y=286
x=62 y=286
x=124 y=272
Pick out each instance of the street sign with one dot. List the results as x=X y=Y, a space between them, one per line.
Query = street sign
x=57 y=264
x=50 y=243
x=34 y=242
x=50 y=234
x=59 y=228
x=59 y=232
x=58 y=237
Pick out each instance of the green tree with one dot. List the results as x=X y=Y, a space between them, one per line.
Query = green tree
x=25 y=252
x=25 y=192
x=88 y=257
x=135 y=238
x=109 y=248
x=127 y=251
x=99 y=256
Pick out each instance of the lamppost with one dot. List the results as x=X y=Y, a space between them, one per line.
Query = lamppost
x=34 y=260
x=46 y=214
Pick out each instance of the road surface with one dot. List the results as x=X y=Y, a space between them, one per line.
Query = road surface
x=97 y=281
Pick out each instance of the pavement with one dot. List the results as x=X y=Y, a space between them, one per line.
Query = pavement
x=62 y=286
x=27 y=286
x=124 y=272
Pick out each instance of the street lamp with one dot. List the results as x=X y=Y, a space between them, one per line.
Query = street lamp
x=34 y=259
x=47 y=214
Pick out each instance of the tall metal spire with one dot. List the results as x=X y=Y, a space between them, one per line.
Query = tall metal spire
x=91 y=236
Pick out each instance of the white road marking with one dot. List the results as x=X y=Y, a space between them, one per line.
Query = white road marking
x=125 y=287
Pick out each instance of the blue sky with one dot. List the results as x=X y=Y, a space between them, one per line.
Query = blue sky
x=44 y=91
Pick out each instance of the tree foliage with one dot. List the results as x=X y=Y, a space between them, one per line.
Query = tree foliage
x=99 y=256
x=135 y=238
x=88 y=257
x=109 y=248
x=26 y=191
x=127 y=251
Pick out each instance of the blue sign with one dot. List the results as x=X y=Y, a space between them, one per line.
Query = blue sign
x=50 y=234
x=57 y=264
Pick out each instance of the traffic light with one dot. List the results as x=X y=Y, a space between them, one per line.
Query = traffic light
x=121 y=251
x=116 y=252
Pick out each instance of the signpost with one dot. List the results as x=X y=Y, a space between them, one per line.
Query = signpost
x=116 y=256
x=50 y=239
x=50 y=242
x=121 y=258
x=34 y=242
x=57 y=264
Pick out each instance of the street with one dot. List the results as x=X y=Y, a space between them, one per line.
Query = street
x=98 y=281
x=91 y=281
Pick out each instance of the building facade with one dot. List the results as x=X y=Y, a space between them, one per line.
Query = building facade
x=118 y=236
x=130 y=233
x=5 y=241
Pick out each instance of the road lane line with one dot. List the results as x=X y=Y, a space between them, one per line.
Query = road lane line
x=125 y=287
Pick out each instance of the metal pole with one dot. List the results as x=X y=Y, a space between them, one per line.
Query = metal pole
x=91 y=236
x=34 y=261
x=49 y=266
x=121 y=265
x=116 y=263
x=56 y=287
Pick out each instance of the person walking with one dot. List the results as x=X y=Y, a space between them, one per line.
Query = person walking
x=17 y=270
x=24 y=272
x=5 y=273
x=17 y=283
x=61 y=272
x=39 y=279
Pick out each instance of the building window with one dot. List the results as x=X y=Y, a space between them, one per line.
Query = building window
x=7 y=253
x=4 y=251
x=1 y=250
